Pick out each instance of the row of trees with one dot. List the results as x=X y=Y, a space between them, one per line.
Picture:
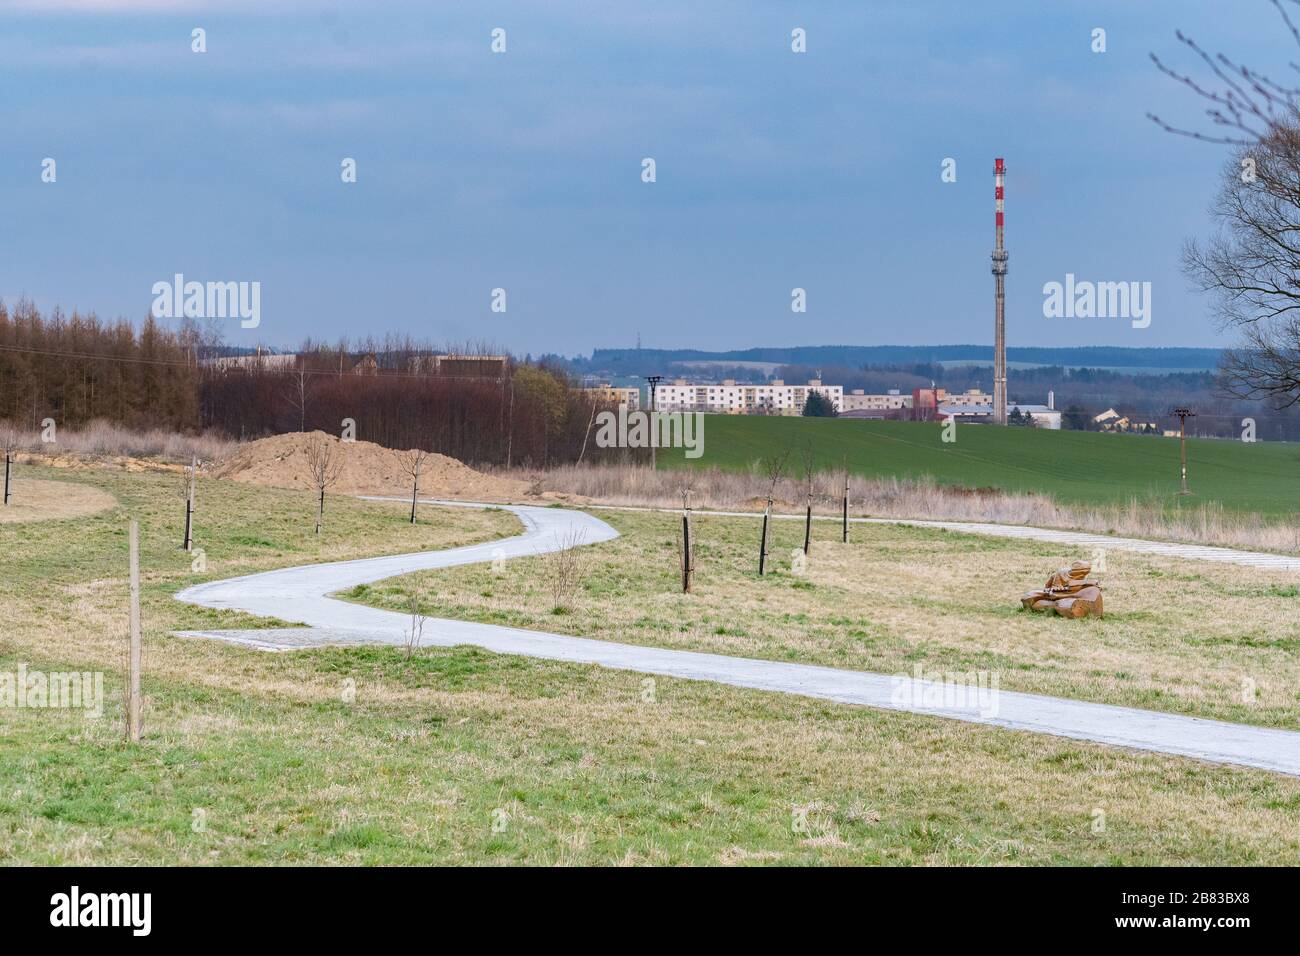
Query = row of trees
x=529 y=416
x=77 y=369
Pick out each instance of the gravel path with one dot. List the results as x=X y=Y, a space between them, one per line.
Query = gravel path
x=299 y=595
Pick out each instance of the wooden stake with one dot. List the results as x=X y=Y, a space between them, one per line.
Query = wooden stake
x=807 y=527
x=6 y=478
x=686 y=546
x=189 y=507
x=133 y=707
x=846 y=507
x=762 y=547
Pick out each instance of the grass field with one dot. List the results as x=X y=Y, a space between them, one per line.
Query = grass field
x=1183 y=637
x=1081 y=467
x=460 y=756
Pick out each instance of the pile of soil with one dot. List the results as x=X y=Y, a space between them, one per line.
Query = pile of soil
x=282 y=461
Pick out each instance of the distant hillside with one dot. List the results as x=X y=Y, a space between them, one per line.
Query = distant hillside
x=641 y=361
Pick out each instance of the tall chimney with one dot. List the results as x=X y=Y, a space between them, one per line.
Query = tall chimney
x=999 y=301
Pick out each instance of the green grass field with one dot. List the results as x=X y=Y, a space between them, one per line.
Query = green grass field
x=460 y=756
x=1079 y=467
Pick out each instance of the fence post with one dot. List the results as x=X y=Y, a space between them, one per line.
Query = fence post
x=189 y=507
x=133 y=674
x=686 y=545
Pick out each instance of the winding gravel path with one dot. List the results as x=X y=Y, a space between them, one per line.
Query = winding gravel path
x=300 y=595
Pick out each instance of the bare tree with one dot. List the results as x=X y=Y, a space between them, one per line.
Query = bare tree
x=415 y=595
x=845 y=473
x=688 y=552
x=564 y=570
x=1243 y=105
x=324 y=465
x=9 y=442
x=587 y=434
x=809 y=477
x=1252 y=267
x=186 y=489
x=775 y=471
x=413 y=462
x=296 y=393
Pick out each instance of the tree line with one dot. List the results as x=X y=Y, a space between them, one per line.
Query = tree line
x=75 y=369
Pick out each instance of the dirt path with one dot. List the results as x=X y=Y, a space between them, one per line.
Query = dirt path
x=299 y=594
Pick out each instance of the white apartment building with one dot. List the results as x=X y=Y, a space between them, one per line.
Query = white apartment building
x=775 y=398
x=858 y=400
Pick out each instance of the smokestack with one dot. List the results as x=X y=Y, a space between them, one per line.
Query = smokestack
x=999 y=301
x=1051 y=400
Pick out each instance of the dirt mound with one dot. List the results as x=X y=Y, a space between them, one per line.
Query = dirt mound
x=281 y=461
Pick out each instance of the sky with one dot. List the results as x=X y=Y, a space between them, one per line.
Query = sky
x=523 y=170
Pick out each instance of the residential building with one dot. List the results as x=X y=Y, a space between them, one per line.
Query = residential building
x=972 y=396
x=730 y=398
x=1112 y=421
x=859 y=400
x=605 y=392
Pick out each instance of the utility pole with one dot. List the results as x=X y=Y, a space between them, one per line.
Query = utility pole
x=1183 y=414
x=654 y=381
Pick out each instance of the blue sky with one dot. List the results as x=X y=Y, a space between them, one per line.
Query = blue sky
x=522 y=170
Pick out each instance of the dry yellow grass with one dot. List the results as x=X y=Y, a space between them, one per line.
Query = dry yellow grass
x=1193 y=637
x=894 y=497
x=36 y=500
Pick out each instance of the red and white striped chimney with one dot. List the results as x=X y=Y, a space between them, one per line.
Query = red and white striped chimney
x=999 y=300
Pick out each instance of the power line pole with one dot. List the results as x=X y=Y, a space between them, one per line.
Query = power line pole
x=654 y=381
x=1183 y=414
